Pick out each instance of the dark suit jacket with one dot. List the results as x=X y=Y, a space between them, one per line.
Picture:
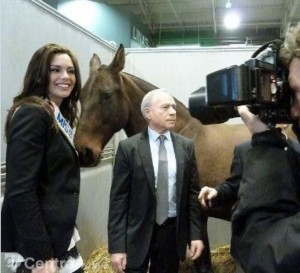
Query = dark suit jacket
x=265 y=221
x=266 y=214
x=133 y=201
x=42 y=187
x=227 y=191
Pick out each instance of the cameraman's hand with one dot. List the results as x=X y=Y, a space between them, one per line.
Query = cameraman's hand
x=206 y=195
x=254 y=124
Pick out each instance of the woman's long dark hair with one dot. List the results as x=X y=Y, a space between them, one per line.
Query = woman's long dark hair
x=36 y=81
x=31 y=100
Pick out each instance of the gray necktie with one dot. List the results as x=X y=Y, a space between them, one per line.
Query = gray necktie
x=162 y=205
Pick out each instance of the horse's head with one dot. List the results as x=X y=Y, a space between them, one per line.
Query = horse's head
x=104 y=108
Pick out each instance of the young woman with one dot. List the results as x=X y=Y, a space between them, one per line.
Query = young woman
x=42 y=167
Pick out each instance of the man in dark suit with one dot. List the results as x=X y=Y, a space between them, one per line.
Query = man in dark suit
x=238 y=188
x=228 y=190
x=136 y=235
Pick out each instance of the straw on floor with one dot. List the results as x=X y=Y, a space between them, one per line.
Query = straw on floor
x=98 y=261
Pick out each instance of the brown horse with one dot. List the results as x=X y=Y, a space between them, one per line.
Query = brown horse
x=110 y=101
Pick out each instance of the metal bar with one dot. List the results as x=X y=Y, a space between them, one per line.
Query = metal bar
x=145 y=12
x=175 y=13
x=214 y=15
x=288 y=14
x=208 y=25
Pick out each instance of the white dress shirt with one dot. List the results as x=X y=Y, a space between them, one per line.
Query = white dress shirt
x=172 y=167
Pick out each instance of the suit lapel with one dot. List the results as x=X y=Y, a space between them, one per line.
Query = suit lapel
x=179 y=152
x=145 y=151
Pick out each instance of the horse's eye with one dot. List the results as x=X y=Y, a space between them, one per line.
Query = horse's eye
x=107 y=95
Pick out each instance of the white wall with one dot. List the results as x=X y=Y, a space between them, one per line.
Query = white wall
x=182 y=70
x=93 y=208
x=26 y=25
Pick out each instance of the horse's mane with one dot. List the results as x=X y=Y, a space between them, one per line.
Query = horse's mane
x=146 y=86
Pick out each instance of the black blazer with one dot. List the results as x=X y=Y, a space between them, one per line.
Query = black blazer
x=266 y=215
x=133 y=201
x=262 y=184
x=228 y=190
x=42 y=186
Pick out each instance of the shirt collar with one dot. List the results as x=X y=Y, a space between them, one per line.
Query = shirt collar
x=153 y=135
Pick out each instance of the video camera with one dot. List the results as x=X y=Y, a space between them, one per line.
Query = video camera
x=261 y=83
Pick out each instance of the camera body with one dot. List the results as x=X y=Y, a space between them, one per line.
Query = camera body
x=261 y=83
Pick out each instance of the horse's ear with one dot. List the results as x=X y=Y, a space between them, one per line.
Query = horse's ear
x=118 y=62
x=95 y=62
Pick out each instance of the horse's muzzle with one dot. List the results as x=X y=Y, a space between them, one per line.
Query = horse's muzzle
x=87 y=157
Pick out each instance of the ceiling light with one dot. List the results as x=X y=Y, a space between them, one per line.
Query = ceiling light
x=228 y=4
x=232 y=20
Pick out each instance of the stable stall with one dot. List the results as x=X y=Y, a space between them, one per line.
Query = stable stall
x=28 y=24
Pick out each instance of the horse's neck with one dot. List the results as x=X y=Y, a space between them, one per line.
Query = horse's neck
x=133 y=128
x=185 y=124
x=136 y=122
x=135 y=90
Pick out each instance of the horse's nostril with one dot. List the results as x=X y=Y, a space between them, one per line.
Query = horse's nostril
x=86 y=157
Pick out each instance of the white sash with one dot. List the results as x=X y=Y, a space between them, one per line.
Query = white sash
x=63 y=125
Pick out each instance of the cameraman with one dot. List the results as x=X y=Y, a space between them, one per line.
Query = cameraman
x=266 y=217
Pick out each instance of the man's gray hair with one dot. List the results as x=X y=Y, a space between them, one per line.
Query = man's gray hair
x=148 y=98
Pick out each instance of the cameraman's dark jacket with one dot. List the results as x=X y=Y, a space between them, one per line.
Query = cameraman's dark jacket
x=266 y=217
